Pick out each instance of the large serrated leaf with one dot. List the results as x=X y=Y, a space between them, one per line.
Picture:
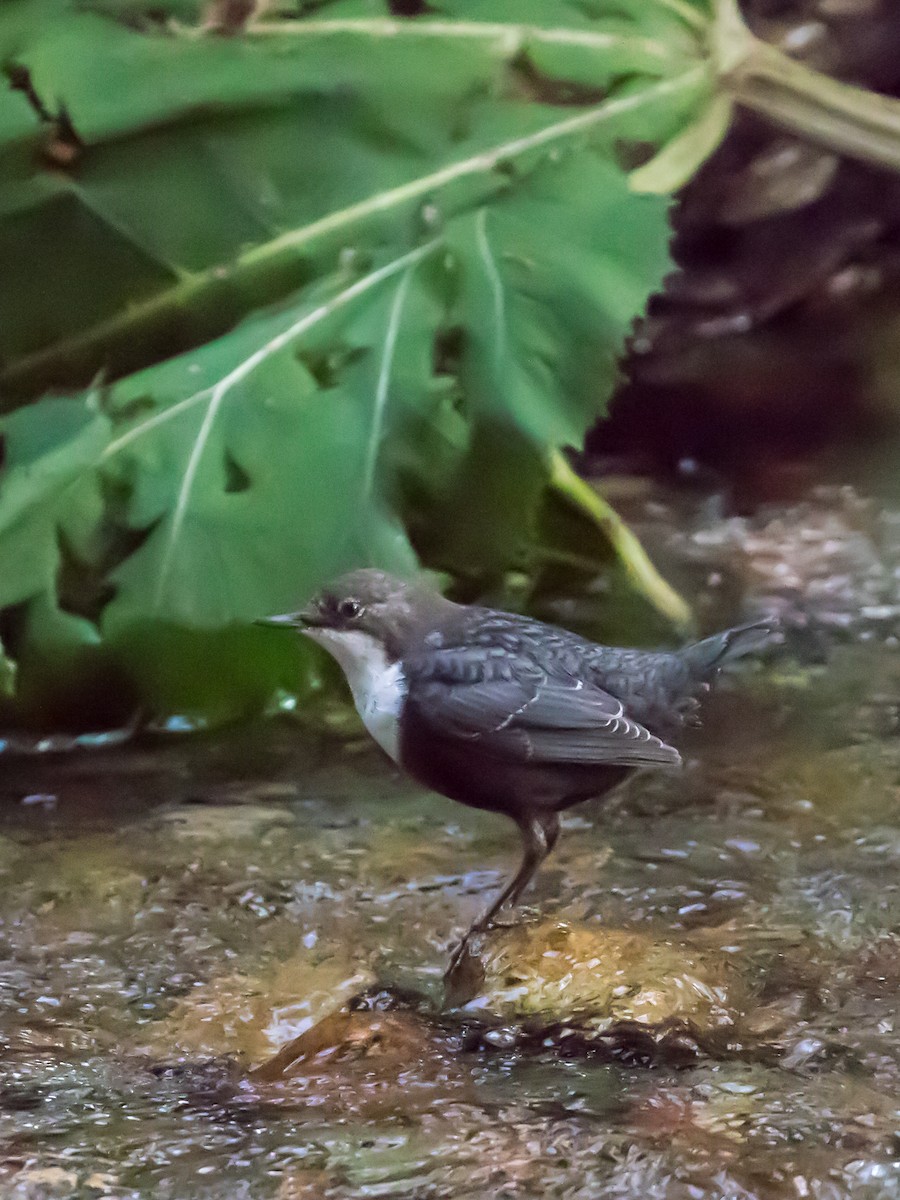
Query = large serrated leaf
x=352 y=282
x=547 y=314
x=252 y=477
x=215 y=174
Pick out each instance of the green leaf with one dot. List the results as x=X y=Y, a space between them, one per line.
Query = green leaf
x=186 y=207
x=353 y=281
x=252 y=479
x=252 y=467
x=543 y=319
x=209 y=676
x=546 y=315
x=47 y=489
x=680 y=159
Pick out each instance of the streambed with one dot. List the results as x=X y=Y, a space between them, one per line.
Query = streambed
x=176 y=910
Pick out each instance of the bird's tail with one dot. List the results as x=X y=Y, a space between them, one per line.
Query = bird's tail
x=705 y=658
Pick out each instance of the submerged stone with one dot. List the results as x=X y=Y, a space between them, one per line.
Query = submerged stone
x=622 y=989
x=393 y=1041
x=250 y=1016
x=370 y=1064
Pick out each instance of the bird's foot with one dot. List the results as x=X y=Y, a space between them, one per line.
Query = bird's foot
x=455 y=959
x=460 y=952
x=463 y=948
x=509 y=918
x=506 y=918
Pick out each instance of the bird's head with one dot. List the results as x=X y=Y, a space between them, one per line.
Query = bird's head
x=363 y=607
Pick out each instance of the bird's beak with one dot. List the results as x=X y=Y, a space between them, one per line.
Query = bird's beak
x=301 y=619
x=282 y=619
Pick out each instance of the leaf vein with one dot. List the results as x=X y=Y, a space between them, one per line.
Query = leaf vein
x=511 y=37
x=219 y=393
x=382 y=386
x=496 y=284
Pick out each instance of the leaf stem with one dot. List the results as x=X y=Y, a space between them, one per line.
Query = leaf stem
x=850 y=120
x=640 y=570
x=687 y=13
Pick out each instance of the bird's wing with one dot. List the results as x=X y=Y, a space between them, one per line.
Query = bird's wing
x=522 y=712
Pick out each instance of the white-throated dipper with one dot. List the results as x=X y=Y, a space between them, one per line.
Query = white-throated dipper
x=503 y=712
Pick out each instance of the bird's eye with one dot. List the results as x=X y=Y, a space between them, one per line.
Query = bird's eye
x=349 y=610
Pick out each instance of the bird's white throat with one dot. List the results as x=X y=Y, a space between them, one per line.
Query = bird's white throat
x=378 y=686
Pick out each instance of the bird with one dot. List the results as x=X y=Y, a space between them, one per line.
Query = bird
x=504 y=712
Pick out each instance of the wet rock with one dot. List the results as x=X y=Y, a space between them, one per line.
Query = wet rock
x=678 y=1113
x=622 y=990
x=313 y=1184
x=780 y=852
x=10 y=853
x=826 y=567
x=49 y=1038
x=199 y=1083
x=784 y=176
x=252 y=1015
x=223 y=822
x=395 y=1039
x=84 y=879
x=44 y=1181
x=874 y=970
x=39 y=1183
x=370 y=1064
x=202 y=1087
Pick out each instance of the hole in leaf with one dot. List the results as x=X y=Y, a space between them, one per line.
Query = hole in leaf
x=236 y=478
x=83 y=591
x=146 y=19
x=138 y=406
x=11 y=619
x=532 y=84
x=65 y=128
x=20 y=81
x=410 y=8
x=448 y=346
x=228 y=16
x=83 y=577
x=327 y=366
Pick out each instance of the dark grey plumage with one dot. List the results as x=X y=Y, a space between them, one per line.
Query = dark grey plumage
x=530 y=692
x=506 y=713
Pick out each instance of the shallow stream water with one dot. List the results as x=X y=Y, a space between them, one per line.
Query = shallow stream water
x=173 y=912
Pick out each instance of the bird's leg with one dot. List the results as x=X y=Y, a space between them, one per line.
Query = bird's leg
x=539 y=833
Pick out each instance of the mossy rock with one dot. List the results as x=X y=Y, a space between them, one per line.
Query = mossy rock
x=625 y=991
